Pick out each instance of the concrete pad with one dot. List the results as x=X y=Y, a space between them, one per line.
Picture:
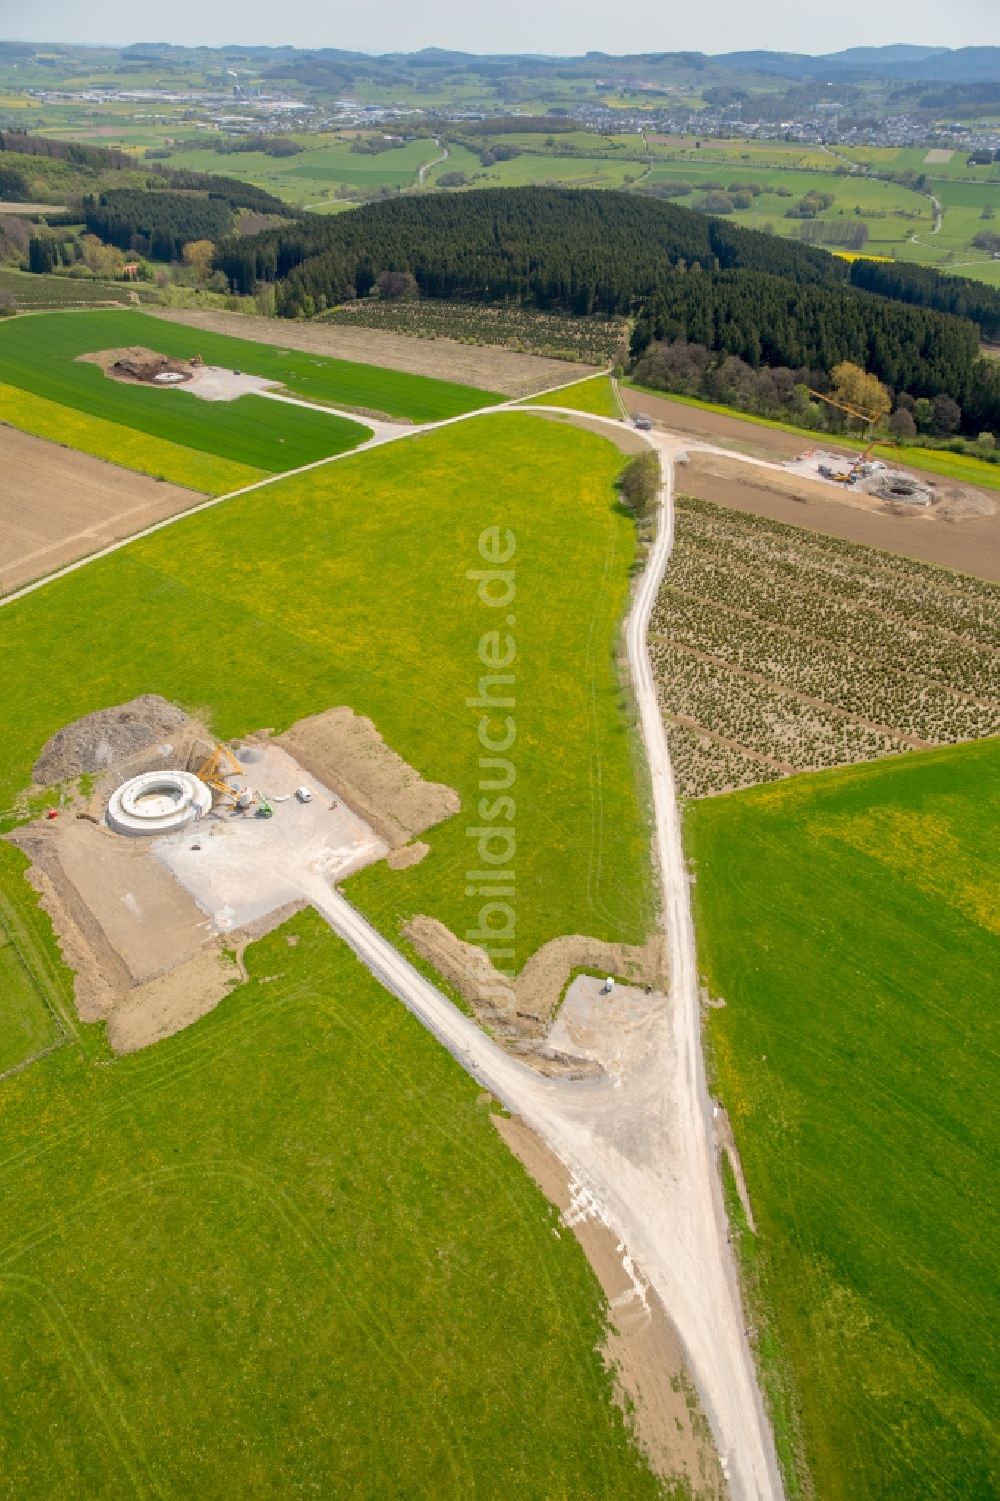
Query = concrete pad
x=238 y=868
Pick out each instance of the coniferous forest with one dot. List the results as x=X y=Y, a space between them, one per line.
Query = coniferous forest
x=679 y=273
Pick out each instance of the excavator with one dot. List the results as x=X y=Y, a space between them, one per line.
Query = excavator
x=217 y=769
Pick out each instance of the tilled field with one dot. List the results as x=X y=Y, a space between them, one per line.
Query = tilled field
x=505 y=370
x=57 y=506
x=778 y=650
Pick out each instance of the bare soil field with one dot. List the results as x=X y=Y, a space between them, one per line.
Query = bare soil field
x=115 y=909
x=57 y=505
x=487 y=367
x=654 y=1384
x=971 y=545
x=719 y=427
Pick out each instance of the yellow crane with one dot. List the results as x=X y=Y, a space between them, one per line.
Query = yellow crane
x=217 y=766
x=215 y=772
x=868 y=418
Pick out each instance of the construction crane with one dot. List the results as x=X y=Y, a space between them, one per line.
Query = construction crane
x=869 y=418
x=216 y=768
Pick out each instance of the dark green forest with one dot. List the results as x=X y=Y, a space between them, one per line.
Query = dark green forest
x=925 y=287
x=158 y=224
x=680 y=274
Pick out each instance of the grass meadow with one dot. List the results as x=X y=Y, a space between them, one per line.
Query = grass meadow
x=348 y=585
x=595 y=395
x=288 y=1245
x=39 y=353
x=847 y=920
x=890 y=212
x=324 y=165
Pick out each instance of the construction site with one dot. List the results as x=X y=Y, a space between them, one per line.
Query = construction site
x=169 y=850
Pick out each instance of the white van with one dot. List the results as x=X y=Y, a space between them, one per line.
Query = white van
x=303 y=794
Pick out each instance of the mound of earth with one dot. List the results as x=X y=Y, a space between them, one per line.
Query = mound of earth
x=136 y=363
x=345 y=752
x=98 y=740
x=518 y=1011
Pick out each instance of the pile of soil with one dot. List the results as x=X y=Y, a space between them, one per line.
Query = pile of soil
x=136 y=363
x=345 y=752
x=98 y=740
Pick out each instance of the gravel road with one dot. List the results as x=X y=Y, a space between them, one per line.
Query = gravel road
x=641 y=1148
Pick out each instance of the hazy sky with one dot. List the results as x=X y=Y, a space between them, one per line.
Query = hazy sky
x=555 y=26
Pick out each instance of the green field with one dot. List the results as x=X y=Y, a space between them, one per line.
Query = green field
x=354 y=591
x=123 y=445
x=573 y=171
x=286 y=1243
x=38 y=354
x=848 y=921
x=26 y=1027
x=890 y=212
x=595 y=395
x=35 y=994
x=288 y=1246
x=325 y=164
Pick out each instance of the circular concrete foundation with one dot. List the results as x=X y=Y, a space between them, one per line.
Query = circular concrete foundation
x=158 y=802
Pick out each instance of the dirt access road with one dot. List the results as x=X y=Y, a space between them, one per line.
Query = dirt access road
x=638 y=1142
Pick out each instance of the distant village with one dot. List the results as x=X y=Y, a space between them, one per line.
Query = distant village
x=241 y=108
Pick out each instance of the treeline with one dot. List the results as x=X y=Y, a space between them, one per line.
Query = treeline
x=577 y=251
x=95 y=158
x=160 y=223
x=767 y=320
x=925 y=287
x=155 y=224
x=230 y=190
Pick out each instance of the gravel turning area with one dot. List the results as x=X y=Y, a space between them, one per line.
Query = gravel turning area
x=488 y=368
x=57 y=505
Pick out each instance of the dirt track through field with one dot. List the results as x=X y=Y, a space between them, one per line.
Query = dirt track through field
x=57 y=505
x=483 y=366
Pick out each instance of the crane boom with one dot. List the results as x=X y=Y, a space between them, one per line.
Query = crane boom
x=862 y=416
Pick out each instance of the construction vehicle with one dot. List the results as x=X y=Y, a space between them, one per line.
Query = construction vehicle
x=859 y=414
x=217 y=771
